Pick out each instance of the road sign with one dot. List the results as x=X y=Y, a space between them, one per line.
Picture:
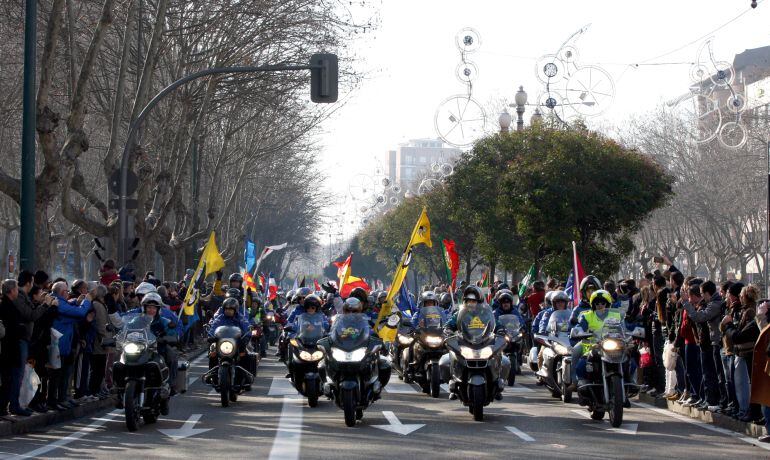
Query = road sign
x=131 y=184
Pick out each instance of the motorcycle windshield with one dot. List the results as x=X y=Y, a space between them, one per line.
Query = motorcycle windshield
x=136 y=329
x=350 y=331
x=476 y=323
x=559 y=321
x=431 y=318
x=311 y=327
x=612 y=329
x=510 y=323
x=227 y=332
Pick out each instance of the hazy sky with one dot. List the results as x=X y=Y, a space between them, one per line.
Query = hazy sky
x=412 y=59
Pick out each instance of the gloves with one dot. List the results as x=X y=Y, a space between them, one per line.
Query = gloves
x=329 y=288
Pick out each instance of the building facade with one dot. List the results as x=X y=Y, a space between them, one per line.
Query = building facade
x=416 y=159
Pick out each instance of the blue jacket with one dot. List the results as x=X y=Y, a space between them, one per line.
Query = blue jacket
x=539 y=319
x=293 y=328
x=583 y=307
x=542 y=325
x=165 y=313
x=238 y=321
x=514 y=311
x=68 y=317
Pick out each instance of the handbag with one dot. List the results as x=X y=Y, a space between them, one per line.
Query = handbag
x=645 y=358
x=54 y=356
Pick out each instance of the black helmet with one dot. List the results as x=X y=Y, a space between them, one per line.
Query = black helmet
x=313 y=300
x=382 y=296
x=290 y=296
x=234 y=293
x=428 y=296
x=589 y=281
x=360 y=294
x=445 y=299
x=230 y=303
x=473 y=293
x=504 y=295
x=236 y=277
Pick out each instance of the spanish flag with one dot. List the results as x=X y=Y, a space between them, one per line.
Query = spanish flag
x=420 y=235
x=211 y=262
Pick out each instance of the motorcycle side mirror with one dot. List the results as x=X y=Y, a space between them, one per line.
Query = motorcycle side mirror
x=638 y=333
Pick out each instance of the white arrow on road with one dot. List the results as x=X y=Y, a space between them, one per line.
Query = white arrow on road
x=625 y=428
x=396 y=426
x=187 y=430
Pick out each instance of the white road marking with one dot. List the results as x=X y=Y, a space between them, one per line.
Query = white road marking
x=704 y=425
x=281 y=386
x=286 y=444
x=187 y=429
x=95 y=425
x=625 y=428
x=522 y=435
x=395 y=425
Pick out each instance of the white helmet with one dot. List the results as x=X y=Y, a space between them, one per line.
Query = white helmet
x=145 y=288
x=152 y=298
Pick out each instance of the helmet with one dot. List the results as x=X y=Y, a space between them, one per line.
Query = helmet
x=601 y=294
x=371 y=299
x=445 y=299
x=290 y=295
x=151 y=298
x=472 y=293
x=143 y=288
x=382 y=296
x=303 y=292
x=428 y=296
x=236 y=277
x=352 y=305
x=589 y=281
x=559 y=295
x=360 y=294
x=548 y=299
x=504 y=295
x=230 y=303
x=313 y=300
x=233 y=293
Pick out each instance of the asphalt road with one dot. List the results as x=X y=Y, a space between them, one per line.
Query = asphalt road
x=273 y=422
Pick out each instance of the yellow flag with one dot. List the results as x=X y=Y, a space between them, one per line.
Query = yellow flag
x=420 y=235
x=211 y=262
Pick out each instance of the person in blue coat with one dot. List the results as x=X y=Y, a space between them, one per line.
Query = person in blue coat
x=559 y=301
x=427 y=299
x=231 y=317
x=311 y=306
x=68 y=317
x=505 y=304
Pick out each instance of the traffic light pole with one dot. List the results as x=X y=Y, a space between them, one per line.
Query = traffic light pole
x=27 y=197
x=323 y=89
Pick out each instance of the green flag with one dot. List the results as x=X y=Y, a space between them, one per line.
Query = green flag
x=527 y=281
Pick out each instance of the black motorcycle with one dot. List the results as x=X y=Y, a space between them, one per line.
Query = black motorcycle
x=514 y=336
x=399 y=348
x=228 y=376
x=270 y=328
x=140 y=375
x=476 y=369
x=352 y=365
x=607 y=370
x=304 y=356
x=427 y=349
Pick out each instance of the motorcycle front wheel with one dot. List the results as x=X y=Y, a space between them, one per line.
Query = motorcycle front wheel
x=435 y=381
x=133 y=409
x=617 y=398
x=224 y=385
x=512 y=372
x=477 y=400
x=349 y=407
x=312 y=394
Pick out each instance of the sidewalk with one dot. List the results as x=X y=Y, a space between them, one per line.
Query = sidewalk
x=21 y=425
x=718 y=420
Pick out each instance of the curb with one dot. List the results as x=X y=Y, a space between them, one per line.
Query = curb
x=23 y=425
x=719 y=420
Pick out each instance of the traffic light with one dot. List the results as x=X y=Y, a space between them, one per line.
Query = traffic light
x=324 y=78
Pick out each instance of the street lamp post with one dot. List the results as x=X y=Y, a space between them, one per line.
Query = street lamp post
x=767 y=224
x=505 y=121
x=28 y=123
x=521 y=101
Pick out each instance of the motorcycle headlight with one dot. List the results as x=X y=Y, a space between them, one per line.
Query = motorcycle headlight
x=294 y=343
x=132 y=348
x=226 y=348
x=405 y=339
x=470 y=353
x=270 y=317
x=434 y=341
x=315 y=356
x=611 y=345
x=507 y=338
x=348 y=356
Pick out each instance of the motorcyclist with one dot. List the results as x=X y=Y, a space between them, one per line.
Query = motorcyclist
x=353 y=305
x=445 y=301
x=299 y=299
x=311 y=306
x=427 y=299
x=230 y=316
x=471 y=297
x=559 y=301
x=591 y=322
x=588 y=286
x=541 y=314
x=360 y=294
x=143 y=290
x=161 y=328
x=505 y=303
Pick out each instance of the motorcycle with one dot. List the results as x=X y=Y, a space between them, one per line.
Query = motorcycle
x=228 y=377
x=140 y=375
x=513 y=344
x=555 y=372
x=271 y=328
x=352 y=365
x=606 y=368
x=399 y=347
x=304 y=356
x=477 y=370
x=427 y=349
